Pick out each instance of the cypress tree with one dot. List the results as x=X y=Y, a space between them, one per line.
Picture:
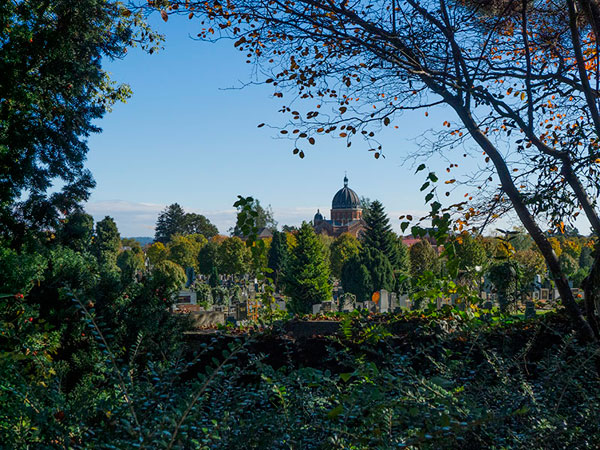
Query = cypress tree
x=307 y=274
x=213 y=280
x=278 y=256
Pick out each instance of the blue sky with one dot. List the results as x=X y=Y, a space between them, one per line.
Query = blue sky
x=185 y=136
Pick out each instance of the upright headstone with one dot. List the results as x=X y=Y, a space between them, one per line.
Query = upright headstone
x=316 y=308
x=384 y=301
x=403 y=302
x=393 y=301
x=348 y=303
x=529 y=309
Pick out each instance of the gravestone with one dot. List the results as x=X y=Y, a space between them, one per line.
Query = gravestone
x=316 y=308
x=384 y=301
x=529 y=309
x=348 y=304
x=327 y=306
x=403 y=302
x=393 y=301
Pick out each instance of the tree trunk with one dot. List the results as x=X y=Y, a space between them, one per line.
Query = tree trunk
x=591 y=289
x=582 y=326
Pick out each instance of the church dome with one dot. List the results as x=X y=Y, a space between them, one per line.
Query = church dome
x=345 y=198
x=318 y=217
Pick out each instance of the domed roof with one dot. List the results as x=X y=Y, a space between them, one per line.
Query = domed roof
x=318 y=217
x=345 y=198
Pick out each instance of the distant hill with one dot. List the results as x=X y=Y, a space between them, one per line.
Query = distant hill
x=143 y=240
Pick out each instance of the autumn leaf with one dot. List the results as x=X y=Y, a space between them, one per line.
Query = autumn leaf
x=164 y=15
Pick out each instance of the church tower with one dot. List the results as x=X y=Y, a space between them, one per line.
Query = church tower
x=345 y=207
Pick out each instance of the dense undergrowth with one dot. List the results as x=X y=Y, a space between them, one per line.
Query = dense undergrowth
x=441 y=380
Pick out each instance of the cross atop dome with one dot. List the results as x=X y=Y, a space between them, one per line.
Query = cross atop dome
x=345 y=180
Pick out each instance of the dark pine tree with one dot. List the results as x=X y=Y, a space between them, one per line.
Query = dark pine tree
x=378 y=234
x=356 y=279
x=213 y=280
x=307 y=274
x=380 y=268
x=278 y=256
x=170 y=221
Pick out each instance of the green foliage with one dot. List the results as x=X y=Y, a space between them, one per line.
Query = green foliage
x=343 y=248
x=380 y=268
x=131 y=263
x=252 y=218
x=183 y=251
x=203 y=295
x=568 y=264
x=356 y=279
x=278 y=256
x=157 y=253
x=532 y=263
x=19 y=272
x=307 y=274
x=53 y=90
x=469 y=252
x=213 y=280
x=77 y=231
x=220 y=295
x=171 y=221
x=423 y=258
x=107 y=241
x=199 y=225
x=378 y=235
x=505 y=276
x=169 y=276
x=234 y=256
x=586 y=257
x=208 y=257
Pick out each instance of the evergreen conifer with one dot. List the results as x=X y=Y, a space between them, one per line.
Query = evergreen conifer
x=278 y=256
x=307 y=274
x=378 y=234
